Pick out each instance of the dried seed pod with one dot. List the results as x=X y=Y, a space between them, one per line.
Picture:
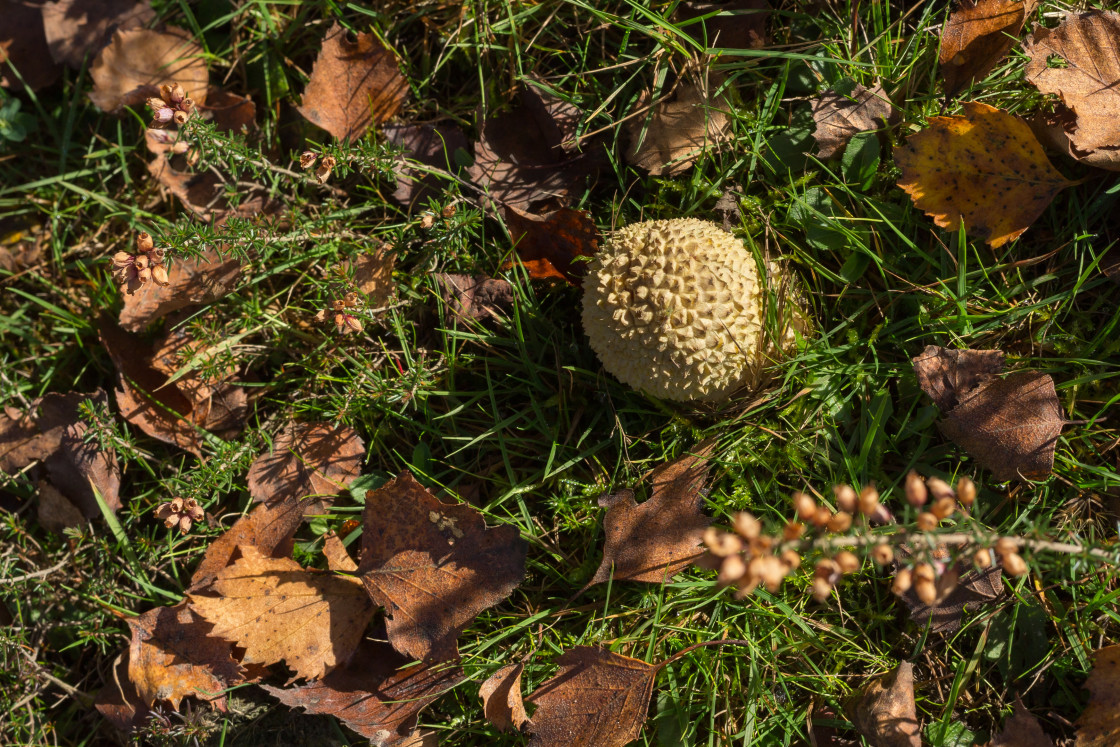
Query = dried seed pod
x=983 y=558
x=938 y=488
x=804 y=506
x=731 y=570
x=746 y=525
x=927 y=522
x=840 y=522
x=793 y=530
x=916 y=493
x=847 y=561
x=1006 y=546
x=868 y=500
x=926 y=590
x=323 y=170
x=821 y=517
x=160 y=276
x=722 y=544
x=1013 y=564
x=307 y=159
x=944 y=507
x=770 y=571
x=966 y=492
x=924 y=571
x=821 y=589
x=882 y=554
x=902 y=581
x=828 y=569
x=846 y=498
x=792 y=559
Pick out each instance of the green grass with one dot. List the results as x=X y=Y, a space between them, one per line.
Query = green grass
x=518 y=415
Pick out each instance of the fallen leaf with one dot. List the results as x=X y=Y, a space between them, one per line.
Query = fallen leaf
x=1099 y=725
x=678 y=129
x=1088 y=82
x=974 y=589
x=475 y=298
x=653 y=541
x=35 y=435
x=433 y=566
x=373 y=274
x=1021 y=730
x=527 y=156
x=118 y=701
x=172 y=656
x=138 y=61
x=338 y=558
x=207 y=195
x=884 y=712
x=740 y=24
x=501 y=698
x=278 y=611
x=229 y=112
x=353 y=85
x=986 y=168
x=375 y=694
x=978 y=34
x=23 y=45
x=81 y=466
x=56 y=512
x=551 y=246
x=946 y=375
x=1009 y=425
x=596 y=699
x=75 y=28
x=269 y=528
x=218 y=404
x=191 y=282
x=316 y=460
x=839 y=117
x=21 y=252
x=429 y=145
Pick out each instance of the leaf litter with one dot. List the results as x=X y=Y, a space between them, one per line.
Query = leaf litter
x=307 y=460
x=978 y=34
x=77 y=28
x=884 y=710
x=138 y=61
x=839 y=117
x=679 y=127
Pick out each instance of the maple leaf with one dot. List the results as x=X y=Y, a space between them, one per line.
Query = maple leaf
x=433 y=566
x=375 y=694
x=429 y=145
x=653 y=541
x=467 y=298
x=946 y=375
x=978 y=34
x=1021 y=730
x=138 y=61
x=678 y=129
x=501 y=698
x=353 y=85
x=985 y=167
x=307 y=460
x=884 y=710
x=269 y=528
x=192 y=281
x=1099 y=725
x=840 y=117
x=23 y=45
x=740 y=24
x=75 y=28
x=278 y=611
x=1088 y=83
x=596 y=699
x=550 y=246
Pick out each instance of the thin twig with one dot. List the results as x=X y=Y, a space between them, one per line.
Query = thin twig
x=36 y=574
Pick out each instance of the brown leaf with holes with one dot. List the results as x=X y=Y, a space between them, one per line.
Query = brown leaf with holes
x=191 y=282
x=884 y=711
x=978 y=34
x=433 y=566
x=1021 y=730
x=278 y=611
x=739 y=24
x=946 y=375
x=654 y=540
x=375 y=694
x=1009 y=425
x=985 y=168
x=467 y=298
x=269 y=528
x=307 y=460
x=596 y=699
x=1099 y=725
x=840 y=117
x=23 y=45
x=207 y=195
x=553 y=246
x=138 y=61
x=353 y=85
x=501 y=698
x=1088 y=83
x=676 y=130
x=434 y=146
x=974 y=589
x=76 y=28
x=172 y=656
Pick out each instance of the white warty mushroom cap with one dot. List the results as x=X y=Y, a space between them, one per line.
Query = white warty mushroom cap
x=675 y=308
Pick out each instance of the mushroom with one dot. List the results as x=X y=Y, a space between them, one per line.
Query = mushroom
x=676 y=308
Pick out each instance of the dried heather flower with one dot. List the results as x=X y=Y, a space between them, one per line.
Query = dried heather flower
x=731 y=570
x=1006 y=546
x=323 y=170
x=840 y=522
x=882 y=554
x=180 y=511
x=821 y=517
x=847 y=561
x=127 y=273
x=307 y=159
x=926 y=590
x=722 y=544
x=924 y=571
x=966 y=492
x=939 y=489
x=943 y=507
x=770 y=571
x=804 y=506
x=821 y=589
x=846 y=498
x=902 y=581
x=173 y=105
x=868 y=500
x=915 y=490
x=793 y=530
x=791 y=559
x=982 y=558
x=747 y=526
x=1013 y=564
x=927 y=522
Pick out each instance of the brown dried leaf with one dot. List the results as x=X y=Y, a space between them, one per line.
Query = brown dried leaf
x=1099 y=725
x=375 y=694
x=676 y=131
x=475 y=298
x=268 y=528
x=501 y=698
x=1088 y=83
x=172 y=656
x=307 y=460
x=56 y=512
x=219 y=406
x=884 y=711
x=118 y=701
x=596 y=699
x=26 y=438
x=338 y=558
x=986 y=168
x=278 y=611
x=80 y=466
x=353 y=85
x=430 y=145
x=974 y=589
x=75 y=28
x=205 y=194
x=550 y=246
x=840 y=117
x=433 y=566
x=138 y=61
x=947 y=375
x=1022 y=730
x=23 y=45
x=21 y=254
x=653 y=541
x=978 y=34
x=191 y=282
x=373 y=274
x=1009 y=425
x=739 y=24
x=229 y=112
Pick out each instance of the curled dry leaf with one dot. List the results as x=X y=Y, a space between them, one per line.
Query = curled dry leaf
x=1099 y=725
x=307 y=460
x=653 y=541
x=433 y=566
x=985 y=168
x=1021 y=730
x=375 y=694
x=596 y=699
x=138 y=61
x=434 y=146
x=75 y=28
x=884 y=710
x=677 y=130
x=268 y=528
x=191 y=282
x=946 y=374
x=218 y=404
x=278 y=611
x=740 y=24
x=555 y=245
x=839 y=117
x=353 y=85
x=978 y=34
x=475 y=298
x=501 y=698
x=23 y=45
x=1088 y=82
